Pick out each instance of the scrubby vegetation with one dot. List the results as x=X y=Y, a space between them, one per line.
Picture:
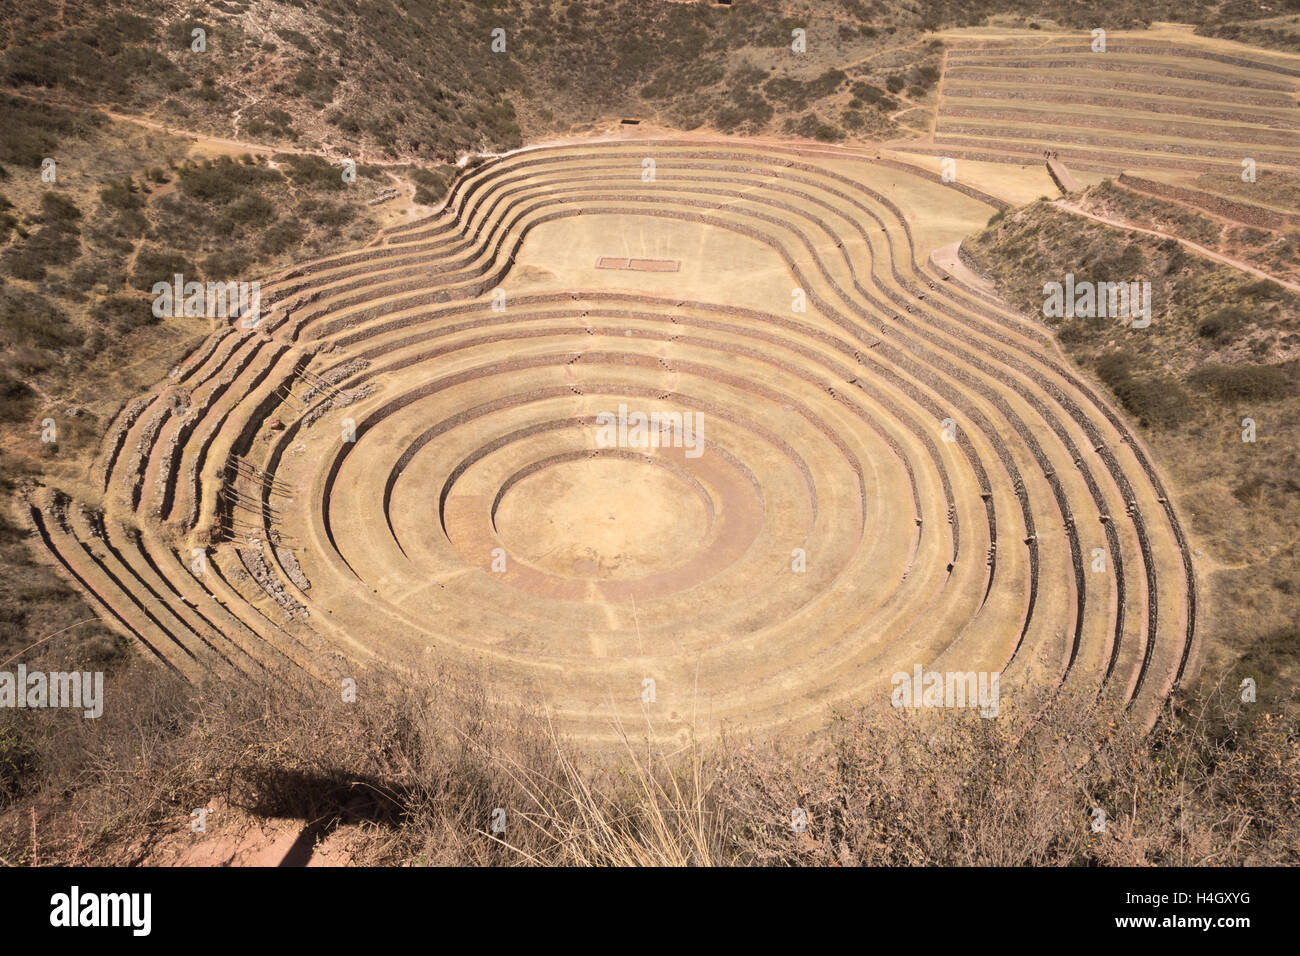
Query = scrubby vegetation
x=1113 y=200
x=80 y=258
x=1261 y=27
x=1275 y=250
x=412 y=772
x=1158 y=400
x=378 y=77
x=419 y=80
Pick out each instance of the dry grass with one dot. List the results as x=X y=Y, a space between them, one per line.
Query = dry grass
x=417 y=766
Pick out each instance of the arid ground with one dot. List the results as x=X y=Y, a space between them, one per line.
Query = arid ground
x=883 y=456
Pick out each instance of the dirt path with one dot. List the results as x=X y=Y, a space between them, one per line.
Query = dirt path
x=1222 y=218
x=236 y=143
x=203 y=139
x=938 y=94
x=1186 y=243
x=893 y=49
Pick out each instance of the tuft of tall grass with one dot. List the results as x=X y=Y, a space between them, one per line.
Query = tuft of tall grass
x=420 y=768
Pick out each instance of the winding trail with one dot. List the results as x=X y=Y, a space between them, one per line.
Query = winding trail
x=1187 y=244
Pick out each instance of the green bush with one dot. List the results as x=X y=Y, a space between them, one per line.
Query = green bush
x=273 y=122
x=300 y=40
x=746 y=109
x=1156 y=400
x=29 y=132
x=28 y=319
x=153 y=264
x=1263 y=289
x=121 y=195
x=1224 y=324
x=252 y=210
x=8 y=221
x=226 y=264
x=98 y=270
x=314 y=172
x=58 y=211
x=827 y=133
x=123 y=313
x=432 y=184
x=1233 y=383
x=15 y=399
x=324 y=213
x=281 y=236
x=223 y=180
x=55 y=244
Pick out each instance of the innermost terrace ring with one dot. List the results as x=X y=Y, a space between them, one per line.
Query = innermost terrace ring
x=604 y=517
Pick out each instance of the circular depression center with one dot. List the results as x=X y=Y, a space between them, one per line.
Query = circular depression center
x=606 y=518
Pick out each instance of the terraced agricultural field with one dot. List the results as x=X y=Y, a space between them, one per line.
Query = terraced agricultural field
x=1159 y=100
x=403 y=459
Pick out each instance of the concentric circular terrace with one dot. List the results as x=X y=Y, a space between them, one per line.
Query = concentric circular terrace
x=404 y=459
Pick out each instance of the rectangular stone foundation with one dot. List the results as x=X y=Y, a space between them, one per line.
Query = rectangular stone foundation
x=639 y=265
